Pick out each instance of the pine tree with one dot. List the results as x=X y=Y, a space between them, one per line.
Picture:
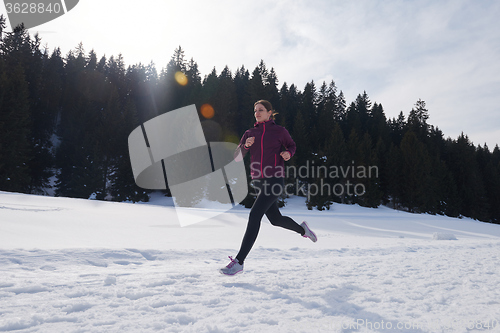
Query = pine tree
x=382 y=164
x=18 y=49
x=15 y=117
x=462 y=162
x=45 y=114
x=416 y=169
x=271 y=88
x=220 y=93
x=309 y=110
x=395 y=176
x=367 y=174
x=244 y=111
x=493 y=175
x=173 y=92
x=89 y=126
x=336 y=153
x=417 y=121
x=357 y=115
x=355 y=158
x=289 y=105
x=378 y=128
x=341 y=108
x=141 y=89
x=15 y=152
x=300 y=136
x=2 y=26
x=256 y=88
x=445 y=198
x=122 y=184
x=194 y=83
x=327 y=110
x=398 y=128
x=490 y=177
x=74 y=156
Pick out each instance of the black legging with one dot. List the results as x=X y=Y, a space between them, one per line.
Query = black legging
x=266 y=203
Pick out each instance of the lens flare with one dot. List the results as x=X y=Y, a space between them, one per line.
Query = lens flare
x=231 y=137
x=207 y=111
x=181 y=78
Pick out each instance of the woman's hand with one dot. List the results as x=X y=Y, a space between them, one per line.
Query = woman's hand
x=286 y=155
x=249 y=142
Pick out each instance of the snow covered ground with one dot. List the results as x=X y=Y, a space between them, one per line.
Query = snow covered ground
x=69 y=265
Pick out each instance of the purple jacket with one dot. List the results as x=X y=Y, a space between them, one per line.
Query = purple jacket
x=265 y=158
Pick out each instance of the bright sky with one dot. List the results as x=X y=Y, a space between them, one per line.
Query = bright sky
x=444 y=52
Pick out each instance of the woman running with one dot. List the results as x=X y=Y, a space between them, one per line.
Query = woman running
x=266 y=142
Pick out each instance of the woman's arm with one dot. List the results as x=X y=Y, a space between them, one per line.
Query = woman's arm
x=241 y=150
x=288 y=143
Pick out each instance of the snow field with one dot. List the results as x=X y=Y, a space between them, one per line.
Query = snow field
x=372 y=270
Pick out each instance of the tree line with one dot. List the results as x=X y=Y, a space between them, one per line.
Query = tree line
x=67 y=118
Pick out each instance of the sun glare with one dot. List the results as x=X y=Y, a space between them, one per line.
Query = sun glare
x=207 y=111
x=181 y=78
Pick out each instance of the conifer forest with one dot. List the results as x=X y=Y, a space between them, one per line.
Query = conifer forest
x=65 y=121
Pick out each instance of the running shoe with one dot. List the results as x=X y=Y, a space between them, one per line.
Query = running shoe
x=232 y=268
x=309 y=233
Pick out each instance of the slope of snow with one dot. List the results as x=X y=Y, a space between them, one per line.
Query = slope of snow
x=70 y=265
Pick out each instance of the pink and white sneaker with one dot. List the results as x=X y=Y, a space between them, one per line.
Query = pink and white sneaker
x=309 y=233
x=232 y=268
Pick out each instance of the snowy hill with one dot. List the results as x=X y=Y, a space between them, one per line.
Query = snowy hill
x=71 y=265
